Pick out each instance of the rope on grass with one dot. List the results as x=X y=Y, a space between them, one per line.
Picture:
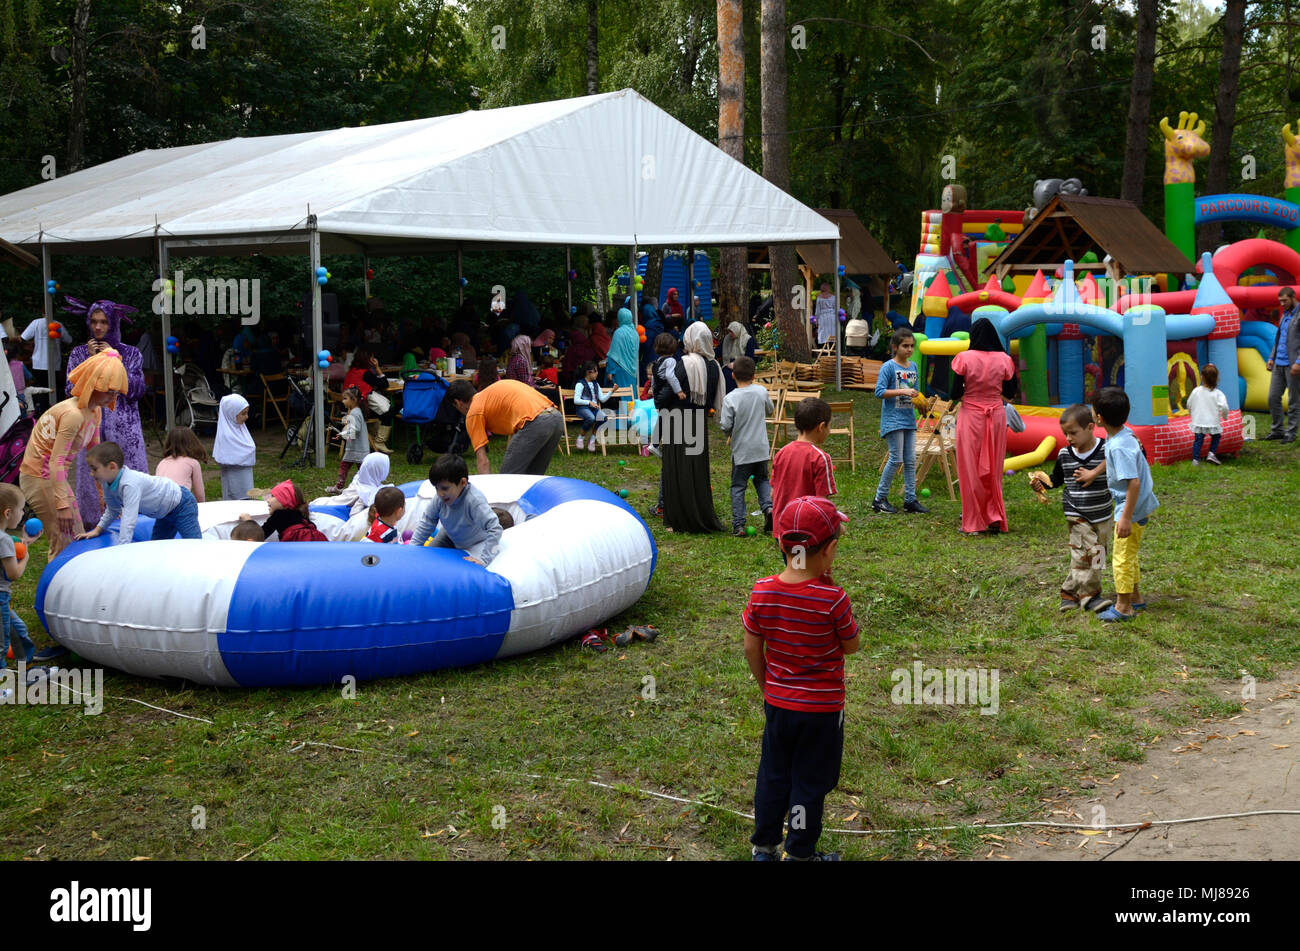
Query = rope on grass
x=59 y=685
x=973 y=827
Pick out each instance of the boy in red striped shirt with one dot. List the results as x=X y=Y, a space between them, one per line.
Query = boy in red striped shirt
x=798 y=629
x=803 y=467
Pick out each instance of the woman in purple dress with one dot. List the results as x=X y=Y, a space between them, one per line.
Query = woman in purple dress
x=120 y=425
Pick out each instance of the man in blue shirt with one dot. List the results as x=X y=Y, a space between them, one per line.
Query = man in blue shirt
x=1285 y=367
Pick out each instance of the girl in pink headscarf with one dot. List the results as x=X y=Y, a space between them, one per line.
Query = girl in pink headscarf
x=520 y=365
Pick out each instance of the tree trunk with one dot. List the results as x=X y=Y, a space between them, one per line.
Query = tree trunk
x=593 y=87
x=77 y=65
x=654 y=268
x=776 y=169
x=732 y=270
x=1139 y=106
x=1225 y=116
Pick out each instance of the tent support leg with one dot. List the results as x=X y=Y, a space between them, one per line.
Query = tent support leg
x=835 y=252
x=318 y=344
x=568 y=281
x=49 y=316
x=169 y=383
x=460 y=273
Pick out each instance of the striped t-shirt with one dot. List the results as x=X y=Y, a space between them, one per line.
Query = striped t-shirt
x=802 y=627
x=1091 y=502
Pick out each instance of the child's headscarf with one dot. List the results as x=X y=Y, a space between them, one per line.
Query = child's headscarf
x=101 y=373
x=370 y=477
x=234 y=444
x=285 y=493
x=115 y=312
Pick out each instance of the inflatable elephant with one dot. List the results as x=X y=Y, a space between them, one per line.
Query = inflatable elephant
x=1045 y=188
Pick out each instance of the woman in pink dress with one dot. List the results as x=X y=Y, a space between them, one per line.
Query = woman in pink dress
x=983 y=376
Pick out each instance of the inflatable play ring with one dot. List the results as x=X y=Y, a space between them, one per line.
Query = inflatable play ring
x=230 y=613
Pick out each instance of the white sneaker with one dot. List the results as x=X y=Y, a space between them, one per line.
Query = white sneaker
x=579 y=442
x=591 y=446
x=1195 y=462
x=1214 y=459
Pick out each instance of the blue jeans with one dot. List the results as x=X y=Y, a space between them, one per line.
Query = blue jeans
x=740 y=476
x=1198 y=439
x=902 y=452
x=12 y=622
x=183 y=519
x=590 y=417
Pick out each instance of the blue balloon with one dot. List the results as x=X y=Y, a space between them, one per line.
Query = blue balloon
x=323 y=364
x=322 y=280
x=323 y=355
x=321 y=272
x=464 y=281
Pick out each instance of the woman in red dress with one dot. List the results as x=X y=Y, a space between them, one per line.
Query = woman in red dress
x=984 y=376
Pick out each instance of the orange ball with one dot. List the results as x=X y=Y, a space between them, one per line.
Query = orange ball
x=20 y=550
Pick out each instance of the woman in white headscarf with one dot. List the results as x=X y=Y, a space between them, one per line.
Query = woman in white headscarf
x=684 y=438
x=738 y=342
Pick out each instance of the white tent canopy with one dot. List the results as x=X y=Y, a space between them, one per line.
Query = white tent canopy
x=612 y=169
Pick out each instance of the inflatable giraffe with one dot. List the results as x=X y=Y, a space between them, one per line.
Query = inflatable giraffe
x=1291 y=184
x=1182 y=145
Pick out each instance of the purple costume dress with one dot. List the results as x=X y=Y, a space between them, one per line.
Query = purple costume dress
x=121 y=425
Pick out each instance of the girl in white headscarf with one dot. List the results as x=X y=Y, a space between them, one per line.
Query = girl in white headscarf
x=234 y=449
x=360 y=493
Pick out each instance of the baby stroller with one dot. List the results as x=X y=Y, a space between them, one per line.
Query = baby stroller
x=12 y=446
x=422 y=403
x=197 y=403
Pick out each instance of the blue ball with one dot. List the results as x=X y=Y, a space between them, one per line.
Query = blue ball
x=34 y=527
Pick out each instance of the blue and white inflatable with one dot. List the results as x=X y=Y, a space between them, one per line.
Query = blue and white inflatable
x=229 y=613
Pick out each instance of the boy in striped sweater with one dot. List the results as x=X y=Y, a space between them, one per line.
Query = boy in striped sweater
x=798 y=629
x=1081 y=473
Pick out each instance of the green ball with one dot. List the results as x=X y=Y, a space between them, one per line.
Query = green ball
x=750 y=531
x=925 y=493
x=622 y=493
x=622 y=462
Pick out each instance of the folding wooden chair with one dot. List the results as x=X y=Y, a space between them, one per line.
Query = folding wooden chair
x=938 y=428
x=844 y=408
x=790 y=401
x=566 y=403
x=777 y=393
x=280 y=402
x=623 y=417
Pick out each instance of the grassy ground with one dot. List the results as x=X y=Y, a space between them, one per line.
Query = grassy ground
x=496 y=761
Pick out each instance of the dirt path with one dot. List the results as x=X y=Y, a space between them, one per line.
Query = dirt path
x=1239 y=764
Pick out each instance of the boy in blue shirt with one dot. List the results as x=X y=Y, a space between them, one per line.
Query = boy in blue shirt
x=461 y=509
x=1128 y=476
x=896 y=386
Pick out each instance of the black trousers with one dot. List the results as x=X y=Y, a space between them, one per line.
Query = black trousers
x=799 y=766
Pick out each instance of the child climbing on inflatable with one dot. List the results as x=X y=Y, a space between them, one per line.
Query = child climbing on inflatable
x=1208 y=407
x=467 y=521
x=128 y=494
x=388 y=509
x=356 y=441
x=289 y=516
x=1080 y=472
x=234 y=449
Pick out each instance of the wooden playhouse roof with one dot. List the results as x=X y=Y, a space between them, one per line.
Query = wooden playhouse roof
x=1071 y=226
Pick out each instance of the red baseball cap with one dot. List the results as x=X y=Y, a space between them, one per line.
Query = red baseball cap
x=809 y=520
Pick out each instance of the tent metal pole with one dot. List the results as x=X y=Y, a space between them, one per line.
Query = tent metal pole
x=318 y=343
x=53 y=348
x=835 y=317
x=631 y=287
x=365 y=276
x=460 y=273
x=169 y=388
x=568 y=266
x=690 y=283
